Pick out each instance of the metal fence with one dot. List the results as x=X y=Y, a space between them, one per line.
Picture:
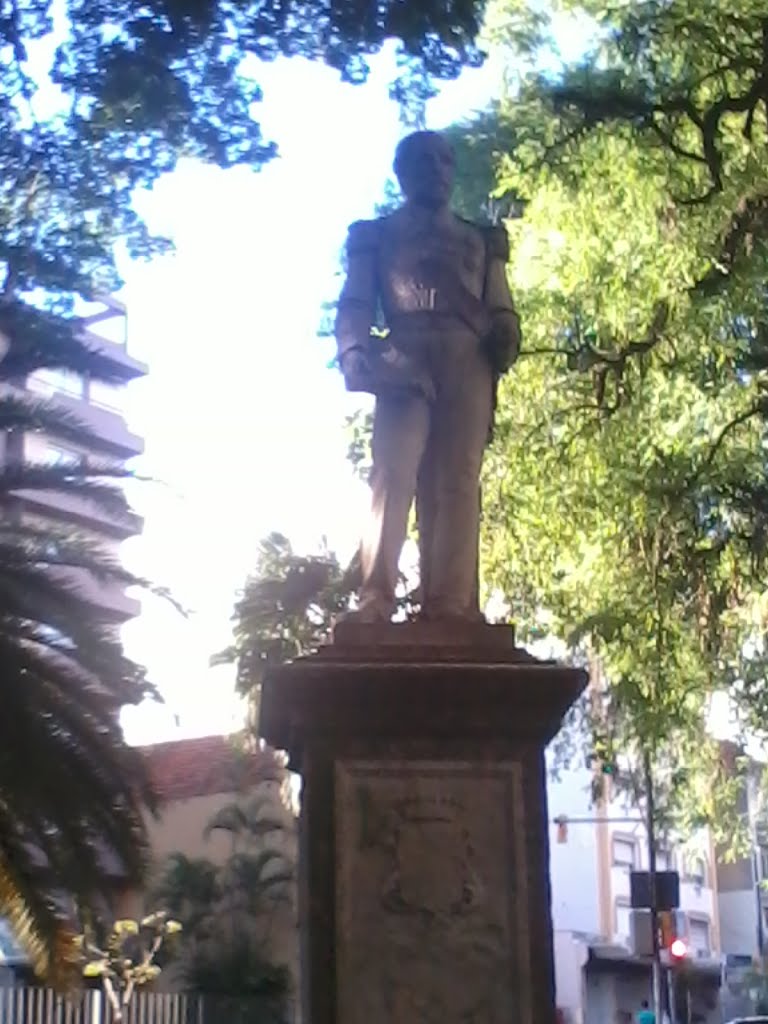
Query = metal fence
x=32 y=1005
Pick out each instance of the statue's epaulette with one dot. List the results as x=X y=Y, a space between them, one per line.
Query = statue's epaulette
x=495 y=238
x=363 y=236
x=496 y=242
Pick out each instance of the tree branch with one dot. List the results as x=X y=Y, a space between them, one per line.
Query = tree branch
x=735 y=422
x=670 y=143
x=750 y=217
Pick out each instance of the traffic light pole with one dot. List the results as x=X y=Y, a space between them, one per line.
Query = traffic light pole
x=659 y=988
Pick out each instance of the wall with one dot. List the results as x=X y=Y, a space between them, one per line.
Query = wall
x=573 y=864
x=570 y=957
x=735 y=875
x=738 y=922
x=600 y=1004
x=181 y=827
x=631 y=990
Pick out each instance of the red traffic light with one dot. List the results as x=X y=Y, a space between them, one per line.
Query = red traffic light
x=678 y=949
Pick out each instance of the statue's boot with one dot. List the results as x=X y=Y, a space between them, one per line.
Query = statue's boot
x=373 y=608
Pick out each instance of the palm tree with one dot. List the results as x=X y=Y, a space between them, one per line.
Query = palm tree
x=72 y=793
x=228 y=912
x=188 y=888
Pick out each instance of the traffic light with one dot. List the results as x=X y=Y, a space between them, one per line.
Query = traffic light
x=562 y=828
x=673 y=936
x=678 y=950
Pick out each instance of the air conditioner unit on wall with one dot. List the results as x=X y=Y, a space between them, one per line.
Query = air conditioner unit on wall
x=640 y=941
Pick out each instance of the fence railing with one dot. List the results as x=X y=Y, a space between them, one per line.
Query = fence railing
x=33 y=1005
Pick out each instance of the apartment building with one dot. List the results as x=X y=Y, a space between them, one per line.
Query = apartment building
x=99 y=407
x=600 y=978
x=743 y=897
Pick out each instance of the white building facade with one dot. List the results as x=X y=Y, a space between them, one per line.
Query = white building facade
x=599 y=977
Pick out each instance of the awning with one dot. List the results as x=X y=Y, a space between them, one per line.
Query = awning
x=606 y=957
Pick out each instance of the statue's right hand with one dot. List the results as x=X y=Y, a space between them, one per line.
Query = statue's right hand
x=355 y=366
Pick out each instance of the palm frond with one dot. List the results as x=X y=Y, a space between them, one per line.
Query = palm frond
x=187 y=887
x=40 y=339
x=73 y=796
x=44 y=547
x=25 y=545
x=21 y=410
x=86 y=482
x=227 y=819
x=265 y=874
x=43 y=931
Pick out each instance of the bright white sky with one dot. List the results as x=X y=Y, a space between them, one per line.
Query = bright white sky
x=242 y=418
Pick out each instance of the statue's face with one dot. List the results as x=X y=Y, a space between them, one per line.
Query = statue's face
x=425 y=169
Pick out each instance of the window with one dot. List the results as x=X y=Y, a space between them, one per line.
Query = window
x=624 y=851
x=665 y=860
x=698 y=936
x=623 y=920
x=696 y=870
x=51 y=548
x=106 y=396
x=52 y=636
x=52 y=382
x=763 y=855
x=56 y=455
x=9 y=947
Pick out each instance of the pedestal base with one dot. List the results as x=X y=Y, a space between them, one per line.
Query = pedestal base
x=424 y=833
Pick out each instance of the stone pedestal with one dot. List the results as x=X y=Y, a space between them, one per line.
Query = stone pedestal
x=424 y=832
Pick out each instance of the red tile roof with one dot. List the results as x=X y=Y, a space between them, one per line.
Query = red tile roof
x=182 y=769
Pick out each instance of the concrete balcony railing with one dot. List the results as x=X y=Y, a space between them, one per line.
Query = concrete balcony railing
x=109 y=597
x=110 y=432
x=80 y=512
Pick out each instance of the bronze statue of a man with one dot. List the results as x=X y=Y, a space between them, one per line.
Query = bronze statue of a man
x=440 y=284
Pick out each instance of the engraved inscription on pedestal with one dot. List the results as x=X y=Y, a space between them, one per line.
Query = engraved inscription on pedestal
x=431 y=903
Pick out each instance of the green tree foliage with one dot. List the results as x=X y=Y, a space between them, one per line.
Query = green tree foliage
x=230 y=911
x=290 y=602
x=624 y=494
x=286 y=609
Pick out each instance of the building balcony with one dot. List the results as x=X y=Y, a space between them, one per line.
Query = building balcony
x=110 y=597
x=79 y=513
x=105 y=329
x=108 y=427
x=106 y=423
x=125 y=364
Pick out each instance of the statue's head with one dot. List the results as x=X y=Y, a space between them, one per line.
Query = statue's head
x=424 y=165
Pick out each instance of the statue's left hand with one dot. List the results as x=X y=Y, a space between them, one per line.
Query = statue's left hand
x=356 y=368
x=502 y=344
